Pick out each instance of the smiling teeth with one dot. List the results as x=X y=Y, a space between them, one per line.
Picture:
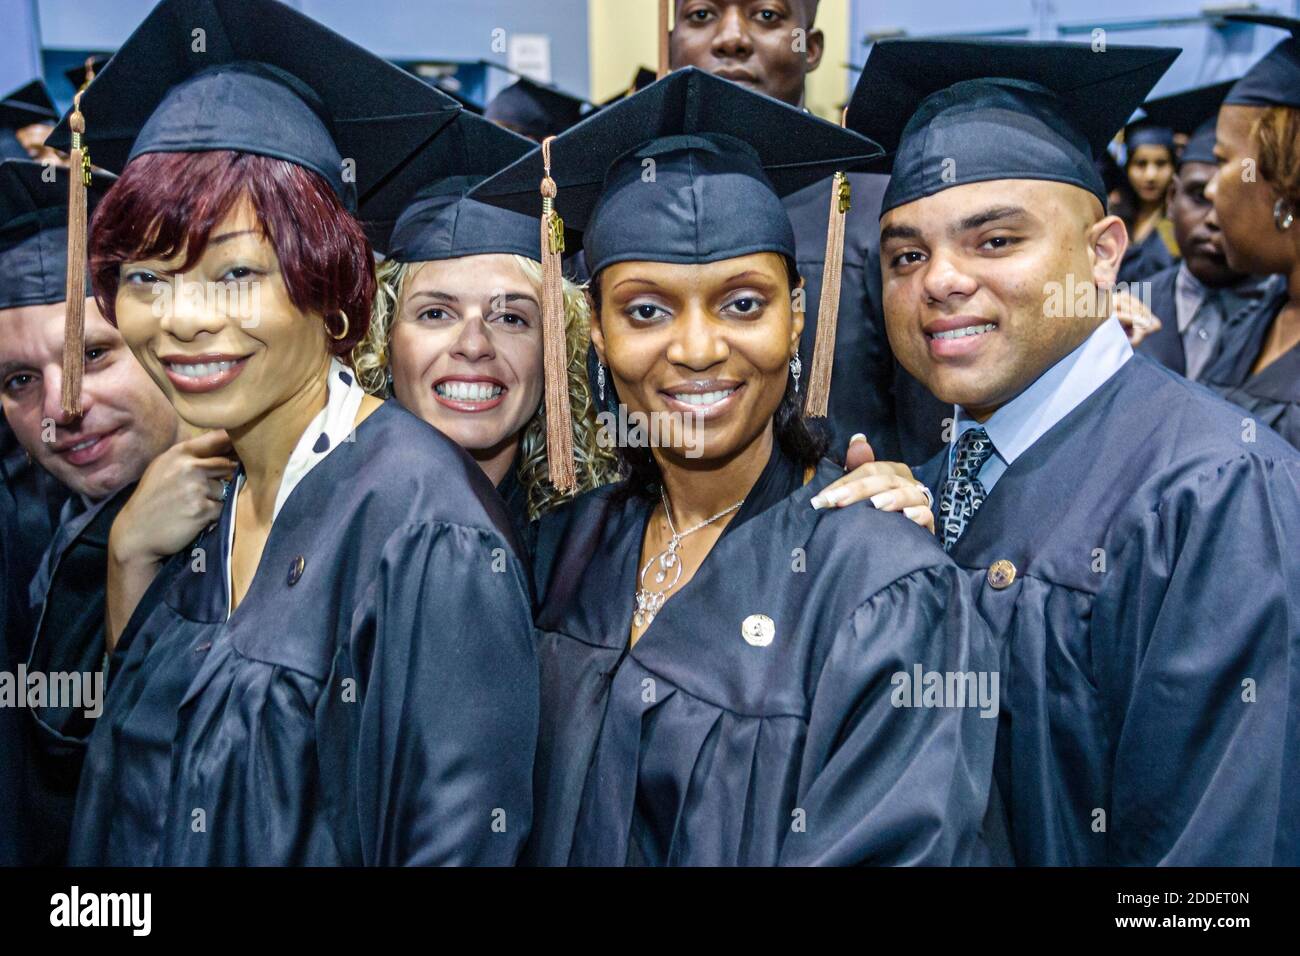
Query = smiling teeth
x=201 y=369
x=468 y=391
x=702 y=398
x=85 y=444
x=968 y=330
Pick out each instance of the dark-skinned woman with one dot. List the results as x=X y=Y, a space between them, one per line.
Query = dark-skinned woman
x=1258 y=365
x=727 y=670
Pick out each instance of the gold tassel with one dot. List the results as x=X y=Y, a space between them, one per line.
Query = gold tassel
x=559 y=416
x=828 y=308
x=74 y=324
x=664 y=39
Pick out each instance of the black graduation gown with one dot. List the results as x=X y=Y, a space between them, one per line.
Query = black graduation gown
x=68 y=593
x=1144 y=259
x=1272 y=395
x=13 y=835
x=870 y=392
x=515 y=497
x=35 y=500
x=372 y=700
x=1165 y=345
x=696 y=747
x=1156 y=589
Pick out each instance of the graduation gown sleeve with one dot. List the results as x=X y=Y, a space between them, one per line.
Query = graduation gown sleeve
x=445 y=704
x=882 y=781
x=1205 y=703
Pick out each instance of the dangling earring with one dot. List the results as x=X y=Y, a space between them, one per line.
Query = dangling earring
x=388 y=380
x=1283 y=215
x=342 y=335
x=796 y=369
x=600 y=381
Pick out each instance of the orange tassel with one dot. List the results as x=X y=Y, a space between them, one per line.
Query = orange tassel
x=828 y=308
x=559 y=416
x=74 y=325
x=664 y=39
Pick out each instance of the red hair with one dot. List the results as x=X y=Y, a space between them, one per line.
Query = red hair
x=168 y=202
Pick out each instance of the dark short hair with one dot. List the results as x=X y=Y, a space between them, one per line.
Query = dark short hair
x=166 y=202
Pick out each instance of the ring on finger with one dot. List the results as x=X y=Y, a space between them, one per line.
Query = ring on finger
x=929 y=496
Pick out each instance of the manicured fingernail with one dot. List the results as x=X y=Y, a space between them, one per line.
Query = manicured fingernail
x=857 y=438
x=883 y=500
x=819 y=502
x=916 y=511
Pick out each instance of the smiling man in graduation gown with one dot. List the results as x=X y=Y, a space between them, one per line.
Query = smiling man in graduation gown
x=755 y=46
x=54 y=611
x=1130 y=542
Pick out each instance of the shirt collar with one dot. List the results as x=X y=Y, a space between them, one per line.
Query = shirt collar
x=331 y=426
x=1019 y=423
x=1189 y=292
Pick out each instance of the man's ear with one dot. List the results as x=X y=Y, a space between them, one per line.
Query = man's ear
x=814 y=46
x=1107 y=243
x=597 y=334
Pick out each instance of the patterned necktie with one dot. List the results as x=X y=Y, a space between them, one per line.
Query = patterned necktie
x=962 y=492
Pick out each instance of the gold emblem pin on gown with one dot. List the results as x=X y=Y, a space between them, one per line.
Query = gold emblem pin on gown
x=758 y=630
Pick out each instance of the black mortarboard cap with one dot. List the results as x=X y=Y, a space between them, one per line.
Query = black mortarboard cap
x=1145 y=132
x=425 y=215
x=961 y=111
x=1194 y=112
x=26 y=105
x=689 y=170
x=260 y=78
x=1275 y=79
x=722 y=156
x=34 y=231
x=534 y=109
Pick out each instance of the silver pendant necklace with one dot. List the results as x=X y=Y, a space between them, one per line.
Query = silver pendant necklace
x=650 y=602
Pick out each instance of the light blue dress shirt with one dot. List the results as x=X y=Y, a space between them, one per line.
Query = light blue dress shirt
x=1019 y=423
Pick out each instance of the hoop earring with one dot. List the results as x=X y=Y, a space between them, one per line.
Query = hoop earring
x=796 y=369
x=342 y=335
x=1283 y=220
x=600 y=381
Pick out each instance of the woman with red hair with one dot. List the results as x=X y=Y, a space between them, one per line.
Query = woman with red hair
x=340 y=669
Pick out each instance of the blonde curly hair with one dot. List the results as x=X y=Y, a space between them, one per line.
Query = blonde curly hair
x=595 y=465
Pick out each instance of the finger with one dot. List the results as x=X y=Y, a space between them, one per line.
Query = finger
x=859 y=452
x=211 y=443
x=215 y=489
x=217 y=467
x=899 y=498
x=854 y=488
x=872 y=469
x=922 y=515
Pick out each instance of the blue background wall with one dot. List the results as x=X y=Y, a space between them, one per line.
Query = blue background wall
x=46 y=35
x=1209 y=54
x=397 y=29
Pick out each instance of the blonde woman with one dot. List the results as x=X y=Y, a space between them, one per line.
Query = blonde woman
x=456 y=335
